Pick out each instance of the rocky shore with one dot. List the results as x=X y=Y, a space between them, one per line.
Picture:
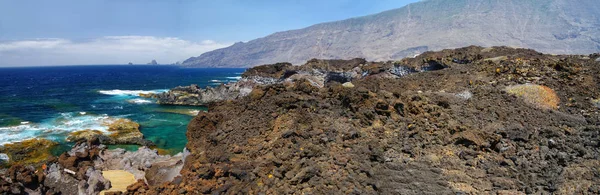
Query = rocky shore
x=468 y=121
x=465 y=121
x=193 y=95
x=120 y=131
x=81 y=170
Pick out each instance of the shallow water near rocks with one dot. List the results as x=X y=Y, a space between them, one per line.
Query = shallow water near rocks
x=51 y=102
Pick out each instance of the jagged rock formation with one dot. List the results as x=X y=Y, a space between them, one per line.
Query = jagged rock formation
x=120 y=131
x=194 y=95
x=79 y=171
x=153 y=62
x=455 y=129
x=317 y=72
x=549 y=26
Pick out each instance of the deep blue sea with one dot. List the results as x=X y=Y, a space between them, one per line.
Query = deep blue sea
x=51 y=102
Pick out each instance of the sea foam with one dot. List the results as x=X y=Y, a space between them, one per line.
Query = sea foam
x=55 y=128
x=119 y=92
x=139 y=101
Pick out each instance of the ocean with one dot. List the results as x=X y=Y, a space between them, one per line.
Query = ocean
x=51 y=102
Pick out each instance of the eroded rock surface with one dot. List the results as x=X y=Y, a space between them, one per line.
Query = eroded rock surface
x=440 y=123
x=80 y=170
x=120 y=131
x=27 y=152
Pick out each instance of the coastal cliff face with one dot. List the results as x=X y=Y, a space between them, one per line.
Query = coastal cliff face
x=549 y=26
x=471 y=120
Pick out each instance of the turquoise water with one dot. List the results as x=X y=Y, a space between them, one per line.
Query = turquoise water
x=51 y=102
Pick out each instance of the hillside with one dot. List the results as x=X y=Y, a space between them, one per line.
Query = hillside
x=465 y=121
x=549 y=26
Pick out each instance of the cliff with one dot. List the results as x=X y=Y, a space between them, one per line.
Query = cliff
x=549 y=26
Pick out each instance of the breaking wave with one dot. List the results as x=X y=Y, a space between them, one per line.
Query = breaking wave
x=55 y=128
x=119 y=92
x=139 y=101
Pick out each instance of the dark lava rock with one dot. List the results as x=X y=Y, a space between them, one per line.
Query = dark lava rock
x=401 y=131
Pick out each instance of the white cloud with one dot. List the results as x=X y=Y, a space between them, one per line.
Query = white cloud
x=105 y=50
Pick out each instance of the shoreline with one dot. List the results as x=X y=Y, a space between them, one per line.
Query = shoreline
x=468 y=120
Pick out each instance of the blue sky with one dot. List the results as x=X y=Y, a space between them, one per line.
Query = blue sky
x=64 y=32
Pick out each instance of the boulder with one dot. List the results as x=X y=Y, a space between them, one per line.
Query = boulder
x=137 y=162
x=120 y=131
x=537 y=95
x=496 y=59
x=125 y=131
x=84 y=135
x=596 y=102
x=348 y=85
x=4 y=158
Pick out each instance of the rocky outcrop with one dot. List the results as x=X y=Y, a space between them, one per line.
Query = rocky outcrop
x=120 y=131
x=140 y=162
x=153 y=62
x=28 y=152
x=317 y=72
x=448 y=122
x=80 y=170
x=194 y=95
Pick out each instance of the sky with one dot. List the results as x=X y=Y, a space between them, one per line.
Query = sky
x=75 y=32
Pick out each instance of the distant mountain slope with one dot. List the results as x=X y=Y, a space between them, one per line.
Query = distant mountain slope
x=549 y=26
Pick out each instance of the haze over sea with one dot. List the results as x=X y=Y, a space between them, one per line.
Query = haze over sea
x=51 y=102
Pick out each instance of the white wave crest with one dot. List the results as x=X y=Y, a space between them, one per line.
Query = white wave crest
x=119 y=92
x=139 y=101
x=56 y=128
x=234 y=78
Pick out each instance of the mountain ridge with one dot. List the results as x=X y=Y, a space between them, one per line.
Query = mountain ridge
x=556 y=26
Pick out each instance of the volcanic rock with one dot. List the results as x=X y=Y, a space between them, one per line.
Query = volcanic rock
x=440 y=123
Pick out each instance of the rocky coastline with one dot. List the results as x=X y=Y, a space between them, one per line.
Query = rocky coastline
x=80 y=170
x=468 y=121
x=471 y=120
x=317 y=72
